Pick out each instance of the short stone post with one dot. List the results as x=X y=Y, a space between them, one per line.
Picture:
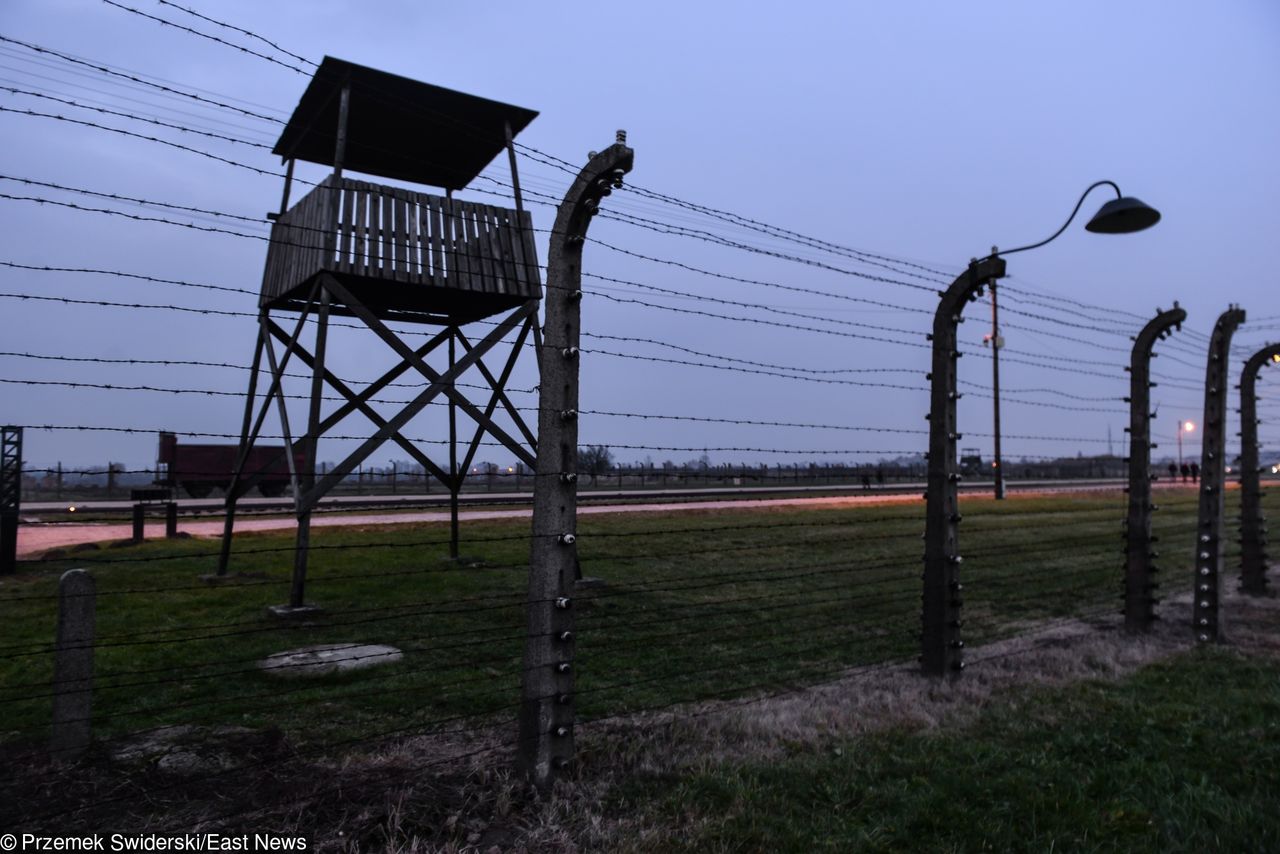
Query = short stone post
x=73 y=665
x=171 y=520
x=139 y=522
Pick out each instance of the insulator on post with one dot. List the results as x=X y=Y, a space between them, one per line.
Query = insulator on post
x=563 y=667
x=565 y=636
x=561 y=731
x=568 y=477
x=574 y=296
x=567 y=539
x=564 y=699
x=563 y=602
x=569 y=352
x=568 y=414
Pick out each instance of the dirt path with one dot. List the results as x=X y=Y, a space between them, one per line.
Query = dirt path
x=34 y=539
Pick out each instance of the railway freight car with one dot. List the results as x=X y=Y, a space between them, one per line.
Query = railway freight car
x=199 y=469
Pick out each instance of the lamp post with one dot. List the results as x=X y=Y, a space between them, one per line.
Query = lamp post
x=941 y=646
x=1121 y=215
x=1183 y=427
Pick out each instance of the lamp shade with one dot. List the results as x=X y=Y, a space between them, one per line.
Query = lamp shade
x=1122 y=216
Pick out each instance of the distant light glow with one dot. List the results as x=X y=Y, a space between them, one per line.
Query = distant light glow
x=71 y=509
x=1188 y=426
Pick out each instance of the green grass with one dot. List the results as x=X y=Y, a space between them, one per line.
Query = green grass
x=1183 y=756
x=698 y=604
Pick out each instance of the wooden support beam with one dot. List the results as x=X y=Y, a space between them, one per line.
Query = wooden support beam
x=440 y=384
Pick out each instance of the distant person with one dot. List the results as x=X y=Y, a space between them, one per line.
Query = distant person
x=1173 y=472
x=1195 y=472
x=866 y=481
x=879 y=477
x=1186 y=472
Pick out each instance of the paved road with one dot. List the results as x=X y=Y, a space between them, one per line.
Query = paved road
x=36 y=538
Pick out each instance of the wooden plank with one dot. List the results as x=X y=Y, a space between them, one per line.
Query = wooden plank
x=491 y=246
x=502 y=237
x=518 y=262
x=461 y=256
x=388 y=233
x=363 y=247
x=481 y=277
x=348 y=202
x=434 y=224
x=375 y=233
x=445 y=257
x=532 y=270
x=403 y=248
x=415 y=247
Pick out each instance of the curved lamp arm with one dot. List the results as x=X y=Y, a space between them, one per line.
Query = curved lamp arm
x=1055 y=235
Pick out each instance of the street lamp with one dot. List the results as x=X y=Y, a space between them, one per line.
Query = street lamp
x=1183 y=427
x=941 y=646
x=1121 y=215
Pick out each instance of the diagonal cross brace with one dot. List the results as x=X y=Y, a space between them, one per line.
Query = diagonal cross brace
x=498 y=385
x=440 y=384
x=359 y=401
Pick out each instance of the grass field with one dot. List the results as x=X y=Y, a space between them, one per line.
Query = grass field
x=1182 y=756
x=697 y=605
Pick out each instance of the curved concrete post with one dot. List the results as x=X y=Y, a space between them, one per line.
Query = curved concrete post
x=1253 y=531
x=1210 y=543
x=1139 y=601
x=546 y=703
x=940 y=652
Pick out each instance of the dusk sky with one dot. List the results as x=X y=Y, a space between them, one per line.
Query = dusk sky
x=906 y=137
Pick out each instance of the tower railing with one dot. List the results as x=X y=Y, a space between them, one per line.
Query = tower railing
x=393 y=235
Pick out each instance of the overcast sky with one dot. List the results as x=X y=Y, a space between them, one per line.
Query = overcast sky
x=922 y=132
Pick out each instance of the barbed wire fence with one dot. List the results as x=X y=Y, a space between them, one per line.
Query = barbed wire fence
x=692 y=315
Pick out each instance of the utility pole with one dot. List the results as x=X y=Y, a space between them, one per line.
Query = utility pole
x=996 y=341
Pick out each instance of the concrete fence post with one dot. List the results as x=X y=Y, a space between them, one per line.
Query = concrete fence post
x=546 y=704
x=73 y=665
x=941 y=647
x=1139 y=570
x=1207 y=622
x=1253 y=530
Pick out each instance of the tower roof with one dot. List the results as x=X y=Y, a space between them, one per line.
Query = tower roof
x=397 y=127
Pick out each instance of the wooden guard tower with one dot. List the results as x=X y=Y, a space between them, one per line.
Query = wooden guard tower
x=386 y=254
